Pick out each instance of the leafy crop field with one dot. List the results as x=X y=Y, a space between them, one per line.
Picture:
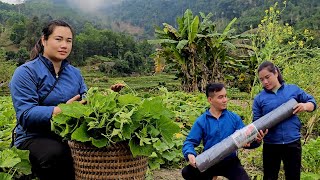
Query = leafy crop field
x=95 y=78
x=167 y=160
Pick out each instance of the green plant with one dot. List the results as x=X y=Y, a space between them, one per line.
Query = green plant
x=305 y=73
x=14 y=163
x=279 y=42
x=311 y=157
x=7 y=122
x=309 y=176
x=109 y=117
x=197 y=52
x=252 y=162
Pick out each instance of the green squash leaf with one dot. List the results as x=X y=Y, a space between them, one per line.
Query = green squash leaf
x=153 y=131
x=8 y=159
x=128 y=99
x=80 y=134
x=24 y=167
x=61 y=119
x=167 y=128
x=169 y=155
x=126 y=133
x=75 y=110
x=99 y=143
x=160 y=146
x=155 y=163
x=5 y=176
x=22 y=154
x=138 y=150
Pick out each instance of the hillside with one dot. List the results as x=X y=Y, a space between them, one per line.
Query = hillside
x=147 y=14
x=139 y=17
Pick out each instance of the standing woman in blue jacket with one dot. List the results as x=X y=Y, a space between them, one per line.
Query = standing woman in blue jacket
x=282 y=143
x=37 y=87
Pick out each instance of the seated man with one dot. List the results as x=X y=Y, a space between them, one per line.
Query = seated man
x=214 y=125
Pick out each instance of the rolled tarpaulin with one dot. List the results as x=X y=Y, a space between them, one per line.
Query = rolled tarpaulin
x=243 y=136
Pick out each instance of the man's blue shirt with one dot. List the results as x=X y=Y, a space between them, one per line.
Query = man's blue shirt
x=288 y=130
x=211 y=131
x=32 y=81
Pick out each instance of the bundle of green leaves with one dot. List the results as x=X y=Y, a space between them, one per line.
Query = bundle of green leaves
x=109 y=117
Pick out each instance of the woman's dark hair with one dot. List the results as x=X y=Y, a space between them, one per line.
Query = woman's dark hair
x=213 y=87
x=46 y=32
x=271 y=68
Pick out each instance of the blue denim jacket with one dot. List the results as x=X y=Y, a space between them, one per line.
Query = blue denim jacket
x=211 y=131
x=288 y=130
x=32 y=81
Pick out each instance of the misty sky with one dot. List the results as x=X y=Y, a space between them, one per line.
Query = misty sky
x=85 y=5
x=92 y=5
x=12 y=1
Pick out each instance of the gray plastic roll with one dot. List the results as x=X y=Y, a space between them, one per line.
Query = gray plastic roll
x=243 y=136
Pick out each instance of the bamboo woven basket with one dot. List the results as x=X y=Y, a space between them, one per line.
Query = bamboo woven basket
x=113 y=162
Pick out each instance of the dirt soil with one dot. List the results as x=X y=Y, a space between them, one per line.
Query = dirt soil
x=174 y=174
x=167 y=174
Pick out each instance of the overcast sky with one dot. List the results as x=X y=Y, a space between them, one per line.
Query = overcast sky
x=12 y=1
x=92 y=5
x=85 y=5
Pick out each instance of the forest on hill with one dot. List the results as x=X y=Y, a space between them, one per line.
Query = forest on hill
x=298 y=13
x=134 y=15
x=113 y=36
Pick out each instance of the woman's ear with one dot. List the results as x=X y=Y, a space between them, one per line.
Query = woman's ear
x=276 y=73
x=42 y=40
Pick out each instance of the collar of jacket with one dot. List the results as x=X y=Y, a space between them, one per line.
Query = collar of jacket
x=270 y=91
x=222 y=113
x=49 y=64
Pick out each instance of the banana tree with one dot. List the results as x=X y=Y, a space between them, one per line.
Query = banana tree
x=196 y=51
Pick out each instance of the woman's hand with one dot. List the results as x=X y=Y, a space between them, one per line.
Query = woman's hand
x=302 y=107
x=76 y=98
x=117 y=87
x=192 y=160
x=258 y=139
x=261 y=135
x=58 y=110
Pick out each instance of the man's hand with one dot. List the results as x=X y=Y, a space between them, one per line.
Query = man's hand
x=192 y=160
x=261 y=135
x=246 y=145
x=117 y=87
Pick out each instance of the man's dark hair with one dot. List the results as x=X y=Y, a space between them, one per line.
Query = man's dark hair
x=213 y=87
